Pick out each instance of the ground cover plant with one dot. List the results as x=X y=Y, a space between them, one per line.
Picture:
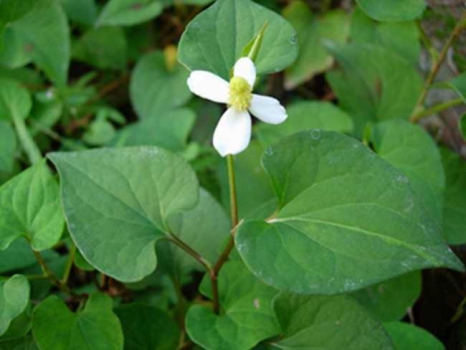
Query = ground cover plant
x=232 y=174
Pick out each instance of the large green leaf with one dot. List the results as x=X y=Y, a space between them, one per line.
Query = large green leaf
x=204 y=228
x=129 y=12
x=147 y=327
x=347 y=219
x=409 y=337
x=96 y=327
x=454 y=209
x=156 y=87
x=390 y=300
x=7 y=147
x=168 y=130
x=117 y=202
x=327 y=323
x=104 y=48
x=393 y=10
x=30 y=207
x=410 y=149
x=374 y=83
x=312 y=30
x=246 y=315
x=215 y=38
x=306 y=115
x=399 y=37
x=34 y=34
x=14 y=298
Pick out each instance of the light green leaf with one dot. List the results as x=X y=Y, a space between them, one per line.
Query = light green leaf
x=215 y=39
x=410 y=149
x=393 y=10
x=331 y=235
x=306 y=115
x=30 y=207
x=246 y=317
x=454 y=209
x=458 y=84
x=157 y=88
x=129 y=12
x=390 y=300
x=330 y=323
x=409 y=337
x=15 y=101
x=374 y=84
x=147 y=327
x=254 y=190
x=104 y=48
x=117 y=202
x=168 y=130
x=96 y=327
x=46 y=23
x=204 y=228
x=14 y=298
x=7 y=147
x=312 y=30
x=399 y=37
x=82 y=12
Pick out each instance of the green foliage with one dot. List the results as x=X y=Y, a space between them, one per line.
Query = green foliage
x=129 y=12
x=14 y=298
x=409 y=337
x=458 y=84
x=392 y=10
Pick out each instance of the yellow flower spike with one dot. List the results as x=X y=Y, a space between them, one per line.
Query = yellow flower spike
x=240 y=94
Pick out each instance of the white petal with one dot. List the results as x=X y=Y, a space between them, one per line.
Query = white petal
x=233 y=132
x=245 y=69
x=209 y=86
x=267 y=109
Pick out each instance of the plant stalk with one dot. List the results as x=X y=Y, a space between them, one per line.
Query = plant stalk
x=436 y=109
x=26 y=140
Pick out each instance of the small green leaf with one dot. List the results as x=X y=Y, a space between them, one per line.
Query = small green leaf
x=410 y=149
x=169 y=130
x=454 y=208
x=252 y=49
x=14 y=298
x=157 y=88
x=305 y=116
x=104 y=48
x=246 y=317
x=82 y=12
x=312 y=31
x=117 y=202
x=390 y=300
x=399 y=37
x=393 y=10
x=96 y=327
x=409 y=337
x=147 y=327
x=215 y=39
x=330 y=323
x=129 y=12
x=331 y=235
x=374 y=84
x=458 y=84
x=30 y=207
x=33 y=34
x=15 y=101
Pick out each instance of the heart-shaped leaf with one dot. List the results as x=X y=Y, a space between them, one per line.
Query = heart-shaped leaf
x=30 y=207
x=246 y=316
x=14 y=298
x=331 y=235
x=330 y=323
x=117 y=202
x=96 y=327
x=215 y=38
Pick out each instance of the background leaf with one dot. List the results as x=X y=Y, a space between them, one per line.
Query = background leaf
x=129 y=12
x=409 y=337
x=14 y=298
x=393 y=10
x=117 y=202
x=214 y=39
x=330 y=235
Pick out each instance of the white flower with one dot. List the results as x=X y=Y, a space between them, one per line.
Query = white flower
x=233 y=132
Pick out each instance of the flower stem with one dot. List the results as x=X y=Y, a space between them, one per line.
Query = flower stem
x=436 y=109
x=438 y=63
x=231 y=242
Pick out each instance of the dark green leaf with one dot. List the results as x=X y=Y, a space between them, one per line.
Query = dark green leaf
x=7 y=147
x=409 y=337
x=14 y=298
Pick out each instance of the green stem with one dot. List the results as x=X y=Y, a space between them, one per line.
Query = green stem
x=232 y=186
x=26 y=140
x=438 y=63
x=436 y=109
x=459 y=311
x=69 y=264
x=177 y=241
